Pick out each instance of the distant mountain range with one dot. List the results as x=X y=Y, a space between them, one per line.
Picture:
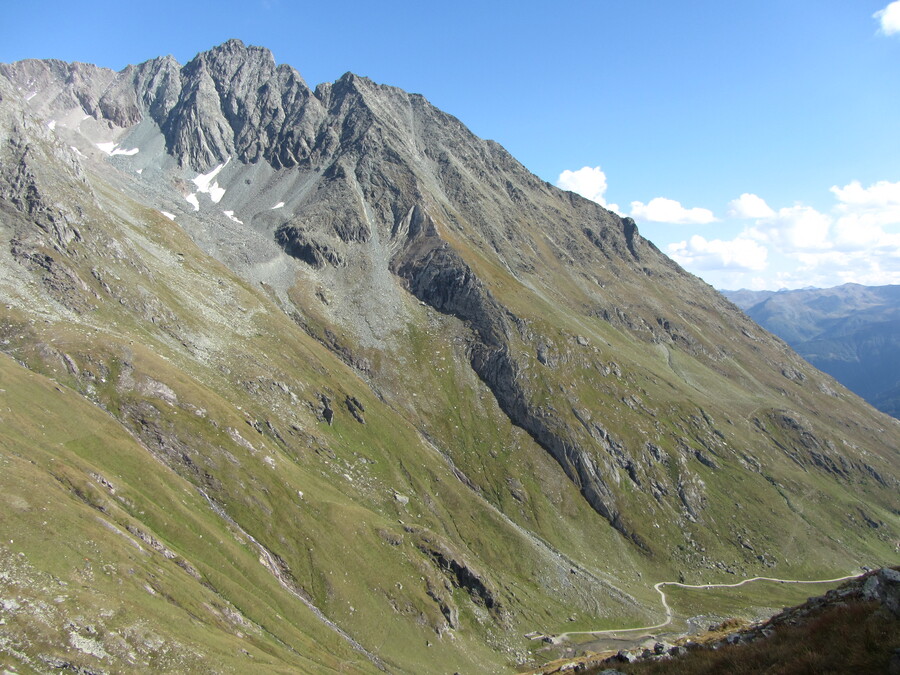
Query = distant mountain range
x=851 y=332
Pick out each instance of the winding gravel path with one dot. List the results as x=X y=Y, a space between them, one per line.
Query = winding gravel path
x=668 y=610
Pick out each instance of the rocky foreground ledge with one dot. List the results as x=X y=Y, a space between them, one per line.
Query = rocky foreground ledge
x=853 y=628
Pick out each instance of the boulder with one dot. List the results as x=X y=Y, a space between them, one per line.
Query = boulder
x=884 y=586
x=661 y=648
x=626 y=656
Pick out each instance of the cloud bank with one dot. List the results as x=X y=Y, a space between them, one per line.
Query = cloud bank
x=857 y=240
x=758 y=246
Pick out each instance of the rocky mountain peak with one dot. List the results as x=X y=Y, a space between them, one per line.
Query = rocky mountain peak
x=233 y=67
x=235 y=102
x=235 y=48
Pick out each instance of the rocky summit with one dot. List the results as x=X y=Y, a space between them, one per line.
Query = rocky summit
x=316 y=380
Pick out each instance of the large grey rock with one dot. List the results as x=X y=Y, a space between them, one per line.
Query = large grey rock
x=884 y=586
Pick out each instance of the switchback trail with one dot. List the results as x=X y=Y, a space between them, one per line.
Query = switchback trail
x=668 y=610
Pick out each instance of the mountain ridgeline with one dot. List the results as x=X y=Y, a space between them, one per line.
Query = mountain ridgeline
x=343 y=387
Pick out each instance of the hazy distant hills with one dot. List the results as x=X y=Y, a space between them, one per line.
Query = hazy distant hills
x=851 y=332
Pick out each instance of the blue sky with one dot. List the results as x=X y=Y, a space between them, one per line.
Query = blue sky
x=676 y=109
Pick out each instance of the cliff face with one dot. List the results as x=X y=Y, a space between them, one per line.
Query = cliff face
x=496 y=401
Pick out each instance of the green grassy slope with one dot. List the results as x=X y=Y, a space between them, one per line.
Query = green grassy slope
x=111 y=558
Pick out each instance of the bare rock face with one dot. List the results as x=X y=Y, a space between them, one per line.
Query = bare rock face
x=42 y=190
x=234 y=102
x=394 y=190
x=62 y=85
x=884 y=586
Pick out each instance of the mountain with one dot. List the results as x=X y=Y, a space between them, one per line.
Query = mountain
x=316 y=380
x=851 y=332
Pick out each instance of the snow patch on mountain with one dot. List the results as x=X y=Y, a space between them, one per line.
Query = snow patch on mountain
x=207 y=184
x=113 y=148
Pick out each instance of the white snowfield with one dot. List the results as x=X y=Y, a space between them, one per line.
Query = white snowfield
x=206 y=183
x=112 y=148
x=231 y=216
x=170 y=216
x=279 y=205
x=193 y=201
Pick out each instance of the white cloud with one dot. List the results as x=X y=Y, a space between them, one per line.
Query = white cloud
x=589 y=182
x=793 y=229
x=832 y=268
x=864 y=213
x=889 y=18
x=854 y=233
x=716 y=254
x=749 y=206
x=879 y=195
x=662 y=210
x=868 y=208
